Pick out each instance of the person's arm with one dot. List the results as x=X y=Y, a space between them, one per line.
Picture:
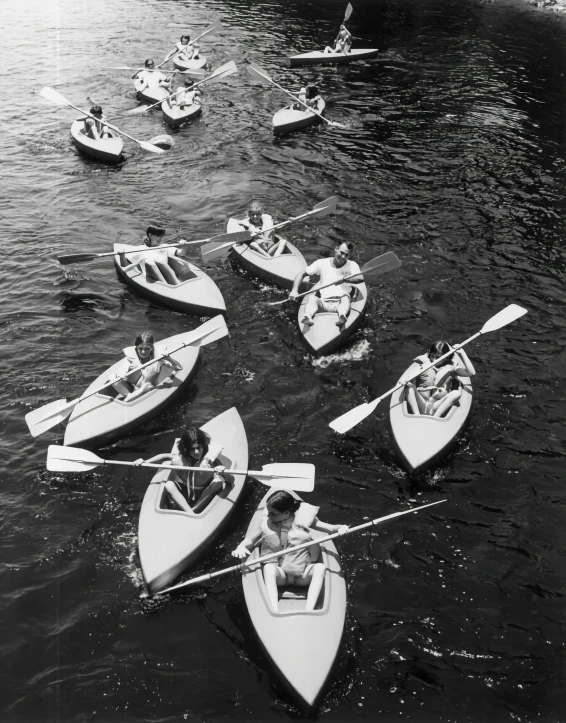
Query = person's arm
x=327 y=527
x=156 y=459
x=468 y=369
x=246 y=546
x=358 y=279
x=173 y=363
x=296 y=284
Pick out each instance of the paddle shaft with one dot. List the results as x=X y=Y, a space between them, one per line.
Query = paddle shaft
x=333 y=283
x=308 y=107
x=280 y=553
x=104 y=462
x=104 y=122
x=191 y=42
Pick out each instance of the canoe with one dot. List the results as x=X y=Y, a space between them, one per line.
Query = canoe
x=301 y=645
x=196 y=294
x=422 y=440
x=175 y=116
x=196 y=64
x=169 y=539
x=289 y=119
x=101 y=419
x=108 y=150
x=280 y=270
x=324 y=336
x=318 y=57
x=151 y=95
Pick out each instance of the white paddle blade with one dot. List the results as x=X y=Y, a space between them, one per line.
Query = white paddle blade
x=287 y=475
x=53 y=96
x=215 y=250
x=211 y=331
x=349 y=11
x=258 y=73
x=228 y=68
x=71 y=459
x=42 y=419
x=381 y=265
x=150 y=147
x=356 y=415
x=504 y=317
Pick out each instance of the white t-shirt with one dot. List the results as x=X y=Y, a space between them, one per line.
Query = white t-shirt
x=266 y=225
x=328 y=273
x=150 y=78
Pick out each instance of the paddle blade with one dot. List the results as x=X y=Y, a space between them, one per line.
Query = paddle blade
x=150 y=147
x=381 y=265
x=164 y=142
x=324 y=208
x=504 y=317
x=71 y=459
x=211 y=331
x=258 y=73
x=138 y=110
x=53 y=96
x=356 y=415
x=42 y=419
x=223 y=71
x=349 y=11
x=76 y=259
x=215 y=250
x=287 y=475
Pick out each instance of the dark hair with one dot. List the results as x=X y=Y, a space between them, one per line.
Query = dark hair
x=437 y=349
x=188 y=438
x=96 y=110
x=149 y=63
x=347 y=243
x=189 y=83
x=154 y=230
x=312 y=92
x=145 y=338
x=282 y=501
x=186 y=36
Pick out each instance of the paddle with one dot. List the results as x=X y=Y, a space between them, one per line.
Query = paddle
x=262 y=75
x=74 y=459
x=212 y=28
x=217 y=249
x=349 y=11
x=280 y=553
x=355 y=416
x=82 y=258
x=222 y=72
x=56 y=97
x=377 y=266
x=44 y=418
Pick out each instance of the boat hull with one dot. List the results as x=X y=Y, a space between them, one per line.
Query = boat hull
x=422 y=440
x=288 y=119
x=301 y=645
x=170 y=540
x=194 y=64
x=318 y=57
x=101 y=419
x=175 y=116
x=324 y=337
x=196 y=294
x=108 y=150
x=279 y=270
x=151 y=95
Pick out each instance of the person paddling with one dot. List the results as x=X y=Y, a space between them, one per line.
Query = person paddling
x=336 y=298
x=94 y=127
x=261 y=223
x=185 y=97
x=188 y=52
x=192 y=491
x=287 y=522
x=310 y=96
x=150 y=79
x=343 y=42
x=149 y=259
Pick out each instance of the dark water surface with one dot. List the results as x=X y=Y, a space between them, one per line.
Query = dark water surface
x=454 y=158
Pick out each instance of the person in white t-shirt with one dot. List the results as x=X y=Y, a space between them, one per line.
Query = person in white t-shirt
x=261 y=223
x=151 y=78
x=144 y=259
x=334 y=298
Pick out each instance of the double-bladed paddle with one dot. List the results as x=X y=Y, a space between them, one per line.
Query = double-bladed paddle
x=344 y=423
x=275 y=555
x=295 y=476
x=223 y=71
x=215 y=26
x=55 y=97
x=349 y=11
x=371 y=269
x=220 y=238
x=219 y=249
x=46 y=417
x=263 y=76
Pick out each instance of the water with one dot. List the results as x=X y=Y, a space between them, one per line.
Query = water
x=453 y=158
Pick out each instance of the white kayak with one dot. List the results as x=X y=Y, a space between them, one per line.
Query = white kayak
x=319 y=57
x=290 y=119
x=175 y=115
x=302 y=645
x=151 y=95
x=194 y=68
x=170 y=539
x=108 y=149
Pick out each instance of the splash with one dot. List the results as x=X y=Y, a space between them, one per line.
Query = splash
x=357 y=352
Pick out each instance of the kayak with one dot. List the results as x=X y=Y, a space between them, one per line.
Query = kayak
x=151 y=95
x=194 y=64
x=280 y=270
x=170 y=539
x=318 y=57
x=105 y=149
x=196 y=293
x=423 y=440
x=175 y=115
x=289 y=119
x=324 y=336
x=301 y=645
x=102 y=419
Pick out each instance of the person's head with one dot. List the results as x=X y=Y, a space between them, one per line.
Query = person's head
x=438 y=349
x=185 y=39
x=255 y=212
x=96 y=110
x=189 y=83
x=281 y=506
x=149 y=63
x=145 y=346
x=193 y=443
x=152 y=235
x=342 y=253
x=311 y=92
